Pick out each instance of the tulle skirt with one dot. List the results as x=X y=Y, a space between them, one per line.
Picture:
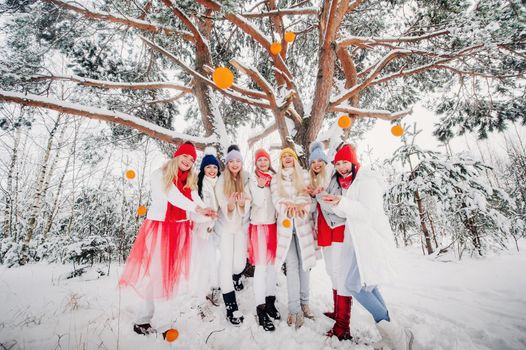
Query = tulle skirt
x=159 y=260
x=262 y=244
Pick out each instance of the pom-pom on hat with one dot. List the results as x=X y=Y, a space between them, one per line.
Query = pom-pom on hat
x=288 y=151
x=187 y=148
x=209 y=158
x=316 y=152
x=347 y=153
x=233 y=154
x=261 y=153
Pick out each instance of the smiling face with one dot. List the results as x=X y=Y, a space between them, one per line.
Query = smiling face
x=234 y=166
x=210 y=170
x=287 y=160
x=317 y=166
x=185 y=162
x=343 y=167
x=263 y=164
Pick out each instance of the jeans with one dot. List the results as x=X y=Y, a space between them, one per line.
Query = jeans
x=373 y=302
x=297 y=278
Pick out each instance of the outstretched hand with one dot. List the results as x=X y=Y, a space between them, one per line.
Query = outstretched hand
x=331 y=199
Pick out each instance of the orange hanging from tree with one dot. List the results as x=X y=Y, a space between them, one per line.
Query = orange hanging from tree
x=397 y=130
x=141 y=211
x=289 y=36
x=223 y=77
x=344 y=121
x=130 y=174
x=275 y=48
x=286 y=223
x=171 y=335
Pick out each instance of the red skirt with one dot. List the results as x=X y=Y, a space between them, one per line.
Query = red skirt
x=326 y=234
x=159 y=259
x=262 y=244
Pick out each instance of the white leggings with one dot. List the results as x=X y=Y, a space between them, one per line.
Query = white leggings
x=233 y=250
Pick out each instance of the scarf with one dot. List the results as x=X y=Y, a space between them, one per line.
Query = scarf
x=174 y=213
x=345 y=182
x=266 y=176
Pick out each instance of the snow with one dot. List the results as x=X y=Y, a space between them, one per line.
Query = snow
x=471 y=304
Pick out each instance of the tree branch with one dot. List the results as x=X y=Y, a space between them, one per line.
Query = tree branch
x=261 y=135
x=370 y=113
x=259 y=80
x=365 y=41
x=114 y=85
x=258 y=103
x=148 y=128
x=109 y=17
x=283 y=12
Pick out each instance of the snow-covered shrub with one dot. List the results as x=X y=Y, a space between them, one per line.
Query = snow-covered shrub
x=88 y=249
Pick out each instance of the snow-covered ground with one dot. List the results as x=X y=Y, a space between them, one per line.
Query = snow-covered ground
x=472 y=304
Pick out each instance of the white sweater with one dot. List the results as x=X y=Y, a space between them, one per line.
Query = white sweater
x=160 y=198
x=231 y=221
x=262 y=209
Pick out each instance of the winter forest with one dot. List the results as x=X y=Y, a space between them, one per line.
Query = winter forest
x=97 y=94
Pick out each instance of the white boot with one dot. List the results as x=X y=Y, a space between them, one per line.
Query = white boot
x=394 y=336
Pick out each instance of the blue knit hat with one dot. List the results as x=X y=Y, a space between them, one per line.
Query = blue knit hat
x=316 y=152
x=209 y=158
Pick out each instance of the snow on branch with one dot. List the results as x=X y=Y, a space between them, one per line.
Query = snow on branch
x=258 y=79
x=371 y=113
x=114 y=85
x=195 y=74
x=242 y=90
x=262 y=134
x=148 y=128
x=283 y=12
x=186 y=21
x=127 y=21
x=372 y=41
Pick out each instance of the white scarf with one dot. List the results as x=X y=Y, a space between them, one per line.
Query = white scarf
x=209 y=184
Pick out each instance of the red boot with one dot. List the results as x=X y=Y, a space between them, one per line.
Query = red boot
x=332 y=314
x=342 y=328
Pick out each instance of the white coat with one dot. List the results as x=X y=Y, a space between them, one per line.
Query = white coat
x=262 y=209
x=304 y=229
x=160 y=198
x=367 y=229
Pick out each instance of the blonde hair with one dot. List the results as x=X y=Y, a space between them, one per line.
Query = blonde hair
x=318 y=179
x=170 y=170
x=233 y=184
x=297 y=179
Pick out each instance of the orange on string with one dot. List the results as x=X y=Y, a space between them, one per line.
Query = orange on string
x=397 y=130
x=171 y=335
x=289 y=36
x=275 y=48
x=223 y=77
x=344 y=121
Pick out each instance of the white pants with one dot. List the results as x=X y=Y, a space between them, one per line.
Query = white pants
x=233 y=251
x=205 y=263
x=264 y=275
x=333 y=256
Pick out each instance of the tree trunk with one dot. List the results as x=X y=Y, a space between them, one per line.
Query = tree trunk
x=7 y=225
x=40 y=183
x=425 y=231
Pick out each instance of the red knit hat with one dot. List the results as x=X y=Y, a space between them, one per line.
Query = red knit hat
x=187 y=148
x=346 y=153
x=261 y=153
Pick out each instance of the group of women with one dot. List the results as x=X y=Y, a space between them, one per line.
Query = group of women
x=202 y=228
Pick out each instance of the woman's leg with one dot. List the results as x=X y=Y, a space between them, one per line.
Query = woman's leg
x=226 y=261
x=373 y=302
x=293 y=277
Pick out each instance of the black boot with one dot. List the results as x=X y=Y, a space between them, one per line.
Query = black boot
x=263 y=319
x=238 y=284
x=271 y=307
x=232 y=313
x=143 y=329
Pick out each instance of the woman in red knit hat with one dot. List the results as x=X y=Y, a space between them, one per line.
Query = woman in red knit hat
x=353 y=216
x=262 y=239
x=159 y=259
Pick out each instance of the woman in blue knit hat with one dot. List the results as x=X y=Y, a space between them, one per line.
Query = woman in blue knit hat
x=205 y=262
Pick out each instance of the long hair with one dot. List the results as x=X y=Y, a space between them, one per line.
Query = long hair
x=318 y=179
x=297 y=179
x=170 y=170
x=353 y=174
x=200 y=178
x=233 y=184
